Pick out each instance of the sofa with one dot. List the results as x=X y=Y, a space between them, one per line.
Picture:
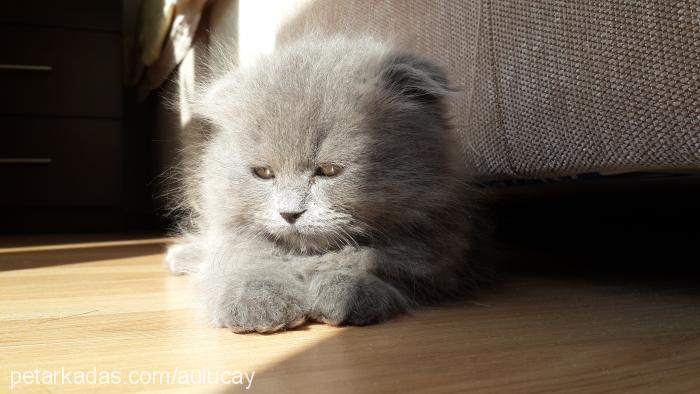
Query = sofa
x=549 y=89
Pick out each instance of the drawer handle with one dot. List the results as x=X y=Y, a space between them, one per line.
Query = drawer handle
x=26 y=160
x=25 y=67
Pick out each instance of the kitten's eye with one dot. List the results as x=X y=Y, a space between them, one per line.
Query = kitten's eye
x=263 y=172
x=328 y=170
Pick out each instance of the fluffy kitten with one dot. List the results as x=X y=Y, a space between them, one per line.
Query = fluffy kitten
x=330 y=189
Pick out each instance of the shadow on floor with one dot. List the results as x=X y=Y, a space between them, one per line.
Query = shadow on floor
x=26 y=259
x=531 y=334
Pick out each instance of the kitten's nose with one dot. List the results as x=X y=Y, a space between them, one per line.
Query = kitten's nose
x=291 y=217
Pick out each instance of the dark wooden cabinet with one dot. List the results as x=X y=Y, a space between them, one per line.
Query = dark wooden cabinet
x=60 y=72
x=63 y=146
x=57 y=162
x=102 y=15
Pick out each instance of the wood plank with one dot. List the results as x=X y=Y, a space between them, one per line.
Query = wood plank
x=113 y=307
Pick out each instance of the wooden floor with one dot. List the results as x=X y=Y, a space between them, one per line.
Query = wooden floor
x=109 y=305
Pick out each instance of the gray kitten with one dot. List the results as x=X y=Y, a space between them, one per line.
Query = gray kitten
x=330 y=189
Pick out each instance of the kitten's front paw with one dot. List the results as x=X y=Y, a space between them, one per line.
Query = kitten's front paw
x=347 y=299
x=260 y=305
x=183 y=258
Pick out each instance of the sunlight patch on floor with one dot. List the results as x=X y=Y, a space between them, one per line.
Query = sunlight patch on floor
x=81 y=245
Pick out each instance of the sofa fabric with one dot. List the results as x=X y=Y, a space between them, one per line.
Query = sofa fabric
x=550 y=88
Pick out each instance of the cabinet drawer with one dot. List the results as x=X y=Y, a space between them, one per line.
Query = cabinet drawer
x=48 y=71
x=59 y=162
x=80 y=14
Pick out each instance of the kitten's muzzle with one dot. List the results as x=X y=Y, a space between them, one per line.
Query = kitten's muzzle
x=291 y=217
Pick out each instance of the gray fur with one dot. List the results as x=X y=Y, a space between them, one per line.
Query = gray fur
x=387 y=234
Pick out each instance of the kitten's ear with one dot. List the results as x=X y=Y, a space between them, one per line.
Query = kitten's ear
x=211 y=103
x=416 y=79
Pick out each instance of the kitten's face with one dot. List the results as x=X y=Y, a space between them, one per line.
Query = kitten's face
x=295 y=189
x=316 y=149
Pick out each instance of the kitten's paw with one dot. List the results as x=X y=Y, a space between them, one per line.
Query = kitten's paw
x=259 y=305
x=183 y=258
x=347 y=299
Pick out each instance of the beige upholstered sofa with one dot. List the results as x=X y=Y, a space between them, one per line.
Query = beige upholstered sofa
x=550 y=88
